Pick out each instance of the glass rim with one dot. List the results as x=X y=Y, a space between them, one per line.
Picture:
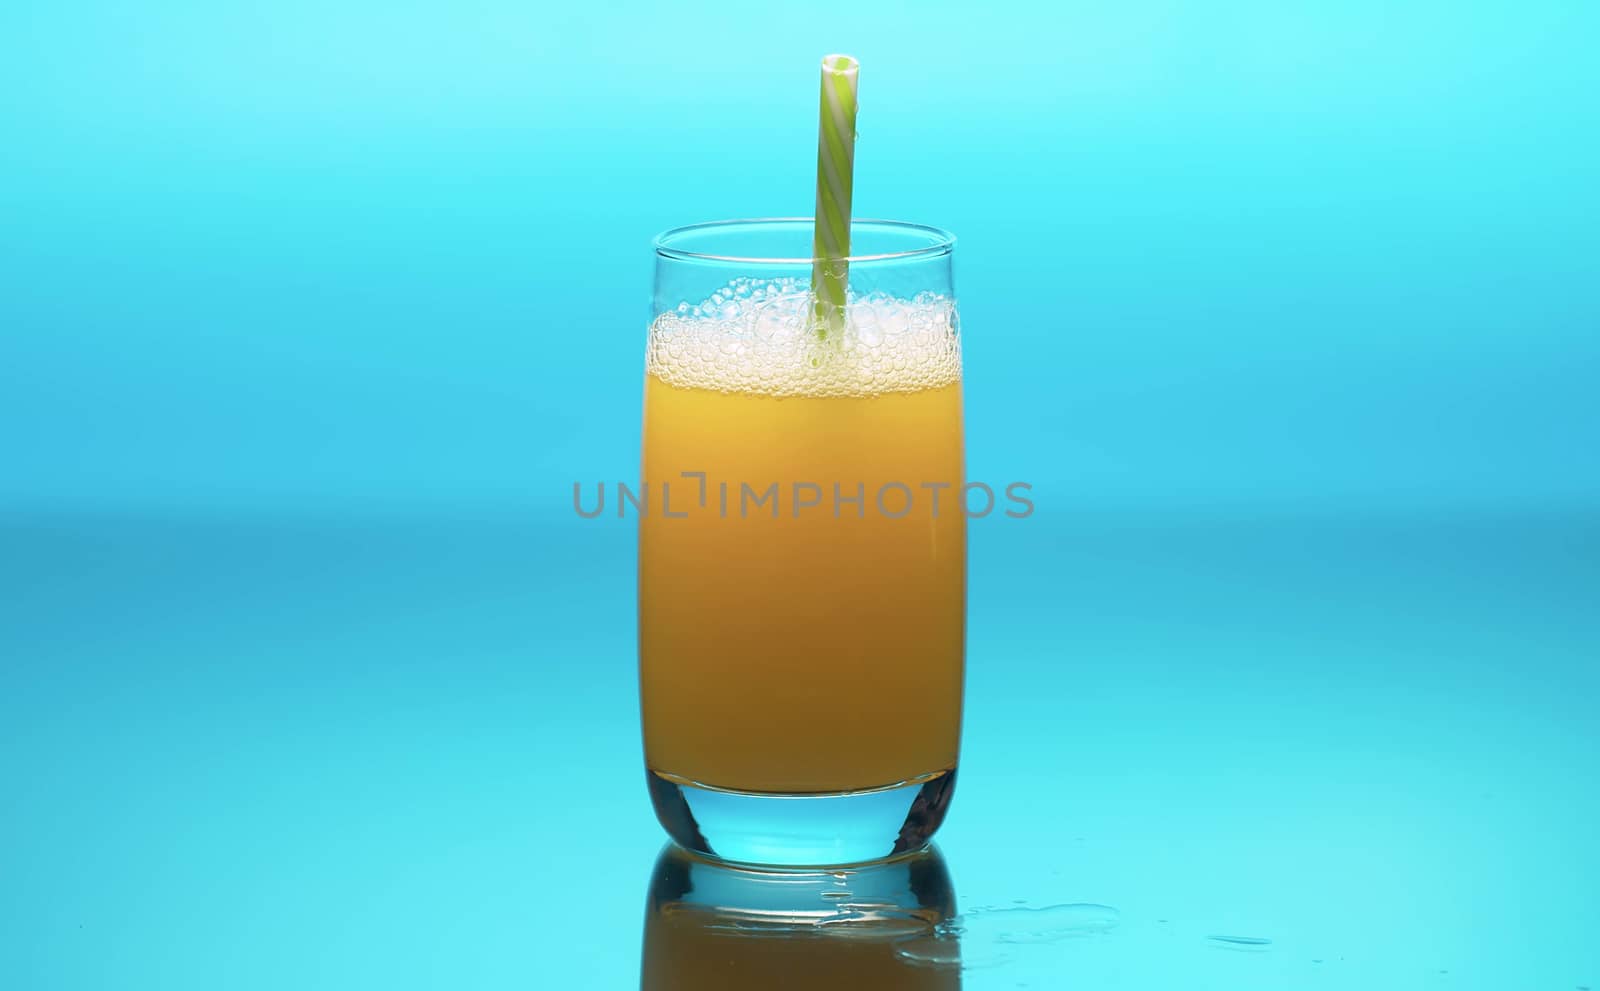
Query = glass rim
x=943 y=242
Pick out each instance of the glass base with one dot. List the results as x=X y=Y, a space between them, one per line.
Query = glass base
x=810 y=830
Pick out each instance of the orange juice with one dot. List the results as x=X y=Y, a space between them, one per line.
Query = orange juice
x=802 y=608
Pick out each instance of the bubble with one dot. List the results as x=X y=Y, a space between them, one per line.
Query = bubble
x=758 y=336
x=864 y=320
x=778 y=320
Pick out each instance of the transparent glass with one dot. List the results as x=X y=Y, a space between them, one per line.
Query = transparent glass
x=802 y=549
x=883 y=927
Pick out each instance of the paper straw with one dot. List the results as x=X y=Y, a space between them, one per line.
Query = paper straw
x=836 y=159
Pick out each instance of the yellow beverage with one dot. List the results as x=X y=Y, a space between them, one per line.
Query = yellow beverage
x=815 y=645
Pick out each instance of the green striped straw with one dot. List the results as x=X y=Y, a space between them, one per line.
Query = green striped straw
x=836 y=159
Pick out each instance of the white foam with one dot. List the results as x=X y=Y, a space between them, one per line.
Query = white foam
x=754 y=336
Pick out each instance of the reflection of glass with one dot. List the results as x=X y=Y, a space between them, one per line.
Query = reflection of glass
x=713 y=927
x=802 y=567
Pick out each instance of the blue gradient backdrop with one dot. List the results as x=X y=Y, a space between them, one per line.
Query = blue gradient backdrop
x=311 y=313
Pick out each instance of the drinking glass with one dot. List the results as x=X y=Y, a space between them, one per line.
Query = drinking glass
x=802 y=544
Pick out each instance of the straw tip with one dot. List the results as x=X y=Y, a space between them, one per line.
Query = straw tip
x=840 y=63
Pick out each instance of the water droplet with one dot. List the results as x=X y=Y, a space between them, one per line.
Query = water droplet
x=1255 y=944
x=985 y=937
x=933 y=951
x=1050 y=923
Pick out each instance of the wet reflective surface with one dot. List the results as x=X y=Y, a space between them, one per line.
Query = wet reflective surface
x=708 y=925
x=1205 y=752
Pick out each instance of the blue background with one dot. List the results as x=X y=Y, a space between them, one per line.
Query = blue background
x=311 y=313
